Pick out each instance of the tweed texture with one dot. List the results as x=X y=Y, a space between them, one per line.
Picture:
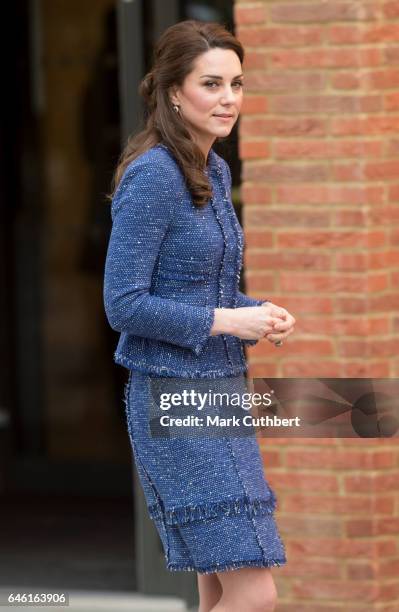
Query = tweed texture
x=169 y=265
x=208 y=497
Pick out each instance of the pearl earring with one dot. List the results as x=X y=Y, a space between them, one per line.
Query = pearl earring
x=176 y=108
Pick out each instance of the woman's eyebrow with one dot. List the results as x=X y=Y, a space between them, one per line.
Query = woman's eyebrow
x=215 y=76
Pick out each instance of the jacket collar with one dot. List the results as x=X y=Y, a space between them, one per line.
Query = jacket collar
x=212 y=164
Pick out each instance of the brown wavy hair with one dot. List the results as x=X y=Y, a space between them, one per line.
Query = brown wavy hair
x=174 y=57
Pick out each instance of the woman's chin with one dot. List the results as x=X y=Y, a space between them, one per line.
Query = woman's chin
x=222 y=132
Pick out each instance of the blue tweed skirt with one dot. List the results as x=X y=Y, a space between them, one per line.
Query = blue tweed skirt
x=206 y=494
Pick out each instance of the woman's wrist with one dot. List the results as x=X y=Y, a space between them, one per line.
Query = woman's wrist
x=223 y=322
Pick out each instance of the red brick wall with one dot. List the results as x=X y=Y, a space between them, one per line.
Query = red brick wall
x=319 y=140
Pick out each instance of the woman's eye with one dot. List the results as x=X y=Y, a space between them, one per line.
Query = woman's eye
x=210 y=84
x=238 y=84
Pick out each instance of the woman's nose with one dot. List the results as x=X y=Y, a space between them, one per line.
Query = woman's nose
x=228 y=96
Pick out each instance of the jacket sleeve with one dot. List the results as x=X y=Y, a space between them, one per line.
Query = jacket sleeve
x=141 y=212
x=244 y=300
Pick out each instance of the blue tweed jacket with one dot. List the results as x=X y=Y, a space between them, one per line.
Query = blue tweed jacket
x=169 y=265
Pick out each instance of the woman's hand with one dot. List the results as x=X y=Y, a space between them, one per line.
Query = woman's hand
x=283 y=327
x=254 y=322
x=247 y=323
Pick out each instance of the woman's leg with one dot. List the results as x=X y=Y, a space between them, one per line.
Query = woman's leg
x=249 y=589
x=210 y=591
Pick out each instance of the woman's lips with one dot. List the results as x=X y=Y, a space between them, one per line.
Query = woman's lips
x=224 y=117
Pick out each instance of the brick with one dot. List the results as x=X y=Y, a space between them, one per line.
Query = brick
x=367 y=347
x=351 y=305
x=339 y=460
x=292 y=525
x=330 y=547
x=318 y=238
x=275 y=172
x=272 y=459
x=394 y=279
x=391 y=9
x=324 y=483
x=249 y=14
x=384 y=303
x=369 y=370
x=290 y=12
x=369 y=126
x=360 y=528
x=381 y=79
x=316 y=504
x=393 y=193
x=331 y=194
x=345 y=80
x=299 y=126
x=391 y=54
x=262 y=369
x=279 y=81
x=336 y=590
x=389 y=568
x=277 y=217
x=316 y=568
x=394 y=236
x=286 y=260
x=326 y=104
x=254 y=104
x=310 y=347
x=299 y=368
x=392 y=102
x=323 y=283
x=356 y=218
x=348 y=34
x=388 y=347
x=254 y=149
x=326 y=58
x=359 y=483
x=392 y=147
x=381 y=215
x=387 y=526
x=254 y=60
x=384 y=170
x=353 y=171
x=262 y=239
x=280 y=36
x=376 y=238
x=256 y=194
x=352 y=262
x=343 y=326
x=262 y=282
x=384 y=505
x=327 y=149
x=307 y=305
x=362 y=570
x=302 y=442
x=377 y=282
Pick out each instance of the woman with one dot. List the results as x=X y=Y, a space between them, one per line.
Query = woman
x=171 y=289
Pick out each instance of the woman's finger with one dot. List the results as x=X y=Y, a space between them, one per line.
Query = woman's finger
x=275 y=337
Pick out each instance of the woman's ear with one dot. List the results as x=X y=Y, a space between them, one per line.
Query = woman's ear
x=173 y=95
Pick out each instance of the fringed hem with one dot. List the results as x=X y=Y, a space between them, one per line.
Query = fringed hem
x=228 y=507
x=145 y=368
x=223 y=567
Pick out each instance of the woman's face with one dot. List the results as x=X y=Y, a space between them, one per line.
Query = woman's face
x=210 y=97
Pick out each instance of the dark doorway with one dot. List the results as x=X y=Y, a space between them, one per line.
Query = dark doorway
x=66 y=480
